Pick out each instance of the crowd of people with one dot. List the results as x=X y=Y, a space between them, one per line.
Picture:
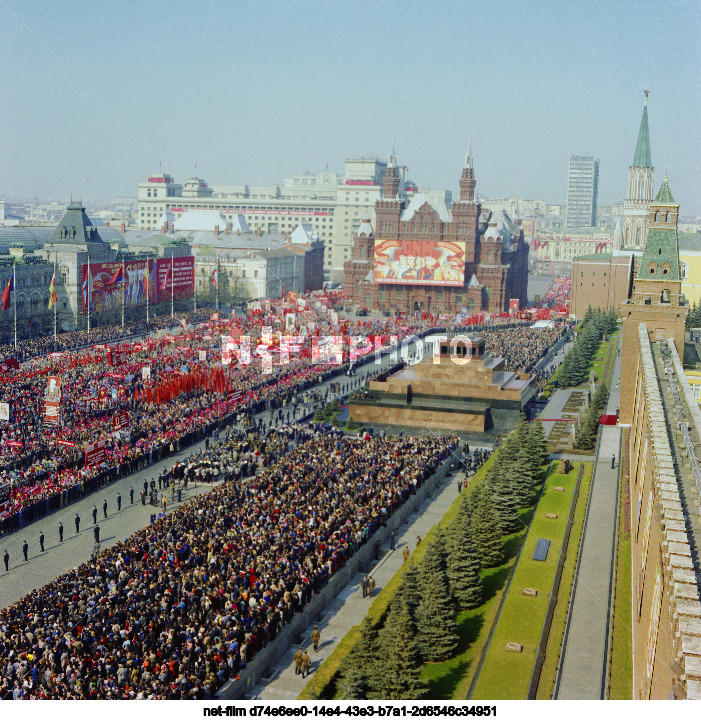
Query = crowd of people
x=182 y=398
x=183 y=605
x=521 y=347
x=70 y=340
x=43 y=466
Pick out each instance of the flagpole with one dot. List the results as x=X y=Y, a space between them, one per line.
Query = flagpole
x=54 y=302
x=172 y=273
x=217 y=282
x=14 y=296
x=89 y=293
x=148 y=283
x=124 y=289
x=194 y=275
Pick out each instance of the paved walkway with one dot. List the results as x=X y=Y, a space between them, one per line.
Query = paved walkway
x=582 y=673
x=24 y=576
x=349 y=608
x=555 y=406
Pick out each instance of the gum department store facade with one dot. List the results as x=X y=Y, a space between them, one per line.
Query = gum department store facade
x=495 y=260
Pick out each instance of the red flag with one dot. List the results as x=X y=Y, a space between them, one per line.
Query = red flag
x=117 y=277
x=7 y=292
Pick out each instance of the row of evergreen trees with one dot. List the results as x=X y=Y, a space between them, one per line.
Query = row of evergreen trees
x=596 y=324
x=420 y=624
x=586 y=438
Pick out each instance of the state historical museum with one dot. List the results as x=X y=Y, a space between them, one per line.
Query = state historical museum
x=432 y=257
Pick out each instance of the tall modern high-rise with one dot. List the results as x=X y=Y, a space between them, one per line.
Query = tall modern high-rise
x=582 y=190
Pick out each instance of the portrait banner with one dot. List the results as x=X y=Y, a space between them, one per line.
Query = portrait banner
x=419 y=262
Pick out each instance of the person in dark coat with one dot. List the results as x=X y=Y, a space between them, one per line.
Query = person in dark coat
x=94 y=514
x=119 y=502
x=25 y=550
x=96 y=533
x=41 y=541
x=60 y=531
x=77 y=523
x=131 y=495
x=364 y=586
x=104 y=507
x=6 y=558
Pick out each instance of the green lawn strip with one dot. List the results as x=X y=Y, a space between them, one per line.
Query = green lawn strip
x=557 y=627
x=322 y=684
x=621 y=674
x=505 y=674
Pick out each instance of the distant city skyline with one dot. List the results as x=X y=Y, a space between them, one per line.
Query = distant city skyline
x=95 y=96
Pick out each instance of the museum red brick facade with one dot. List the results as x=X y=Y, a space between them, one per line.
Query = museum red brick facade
x=495 y=261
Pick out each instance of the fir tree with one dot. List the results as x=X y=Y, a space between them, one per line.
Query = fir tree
x=520 y=480
x=353 y=683
x=410 y=589
x=504 y=500
x=436 y=630
x=357 y=679
x=588 y=316
x=568 y=375
x=509 y=448
x=537 y=442
x=460 y=525
x=463 y=570
x=484 y=527
x=399 y=659
x=611 y=320
x=587 y=433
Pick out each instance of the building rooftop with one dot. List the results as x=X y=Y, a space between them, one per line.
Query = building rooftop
x=664 y=194
x=435 y=201
x=660 y=247
x=206 y=220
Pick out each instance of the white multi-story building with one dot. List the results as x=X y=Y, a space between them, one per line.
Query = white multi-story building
x=333 y=205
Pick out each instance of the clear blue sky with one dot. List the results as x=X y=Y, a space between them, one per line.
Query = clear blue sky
x=94 y=94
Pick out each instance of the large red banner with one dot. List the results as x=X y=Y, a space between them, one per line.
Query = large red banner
x=117 y=357
x=95 y=454
x=52 y=399
x=108 y=283
x=234 y=396
x=181 y=279
x=120 y=420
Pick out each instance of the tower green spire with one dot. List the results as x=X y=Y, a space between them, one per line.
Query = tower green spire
x=643 y=158
x=664 y=194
